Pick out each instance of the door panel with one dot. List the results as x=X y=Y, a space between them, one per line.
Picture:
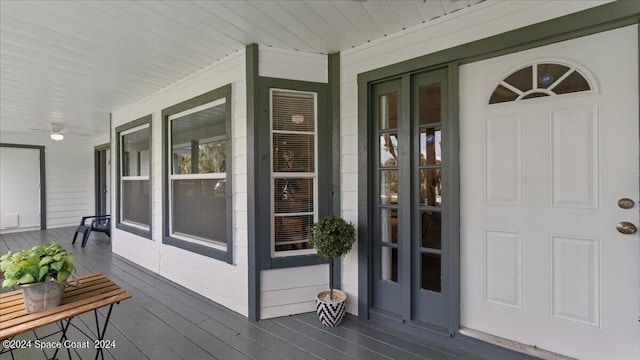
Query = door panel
x=542 y=263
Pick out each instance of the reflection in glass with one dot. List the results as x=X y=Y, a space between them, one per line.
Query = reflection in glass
x=389 y=225
x=389 y=149
x=293 y=195
x=431 y=272
x=389 y=263
x=431 y=187
x=389 y=187
x=292 y=232
x=389 y=111
x=198 y=142
x=136 y=153
x=430 y=104
x=431 y=230
x=200 y=208
x=430 y=146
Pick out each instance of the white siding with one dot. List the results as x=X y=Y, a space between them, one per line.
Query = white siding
x=291 y=64
x=223 y=283
x=69 y=176
x=467 y=25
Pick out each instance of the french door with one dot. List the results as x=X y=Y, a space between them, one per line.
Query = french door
x=410 y=251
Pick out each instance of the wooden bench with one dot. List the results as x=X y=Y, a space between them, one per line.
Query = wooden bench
x=95 y=291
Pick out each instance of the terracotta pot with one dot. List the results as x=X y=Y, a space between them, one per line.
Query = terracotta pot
x=331 y=311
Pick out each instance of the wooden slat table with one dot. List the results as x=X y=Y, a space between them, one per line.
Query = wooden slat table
x=95 y=291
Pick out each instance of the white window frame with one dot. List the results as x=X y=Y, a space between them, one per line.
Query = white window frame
x=297 y=175
x=124 y=178
x=218 y=245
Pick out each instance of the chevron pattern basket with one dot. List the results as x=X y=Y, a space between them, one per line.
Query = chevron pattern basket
x=331 y=313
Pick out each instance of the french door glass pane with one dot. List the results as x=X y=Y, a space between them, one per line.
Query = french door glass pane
x=431 y=272
x=431 y=230
x=389 y=225
x=430 y=100
x=431 y=187
x=389 y=149
x=389 y=187
x=430 y=146
x=389 y=111
x=389 y=263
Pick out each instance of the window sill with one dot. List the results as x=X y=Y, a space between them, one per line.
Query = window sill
x=199 y=249
x=134 y=230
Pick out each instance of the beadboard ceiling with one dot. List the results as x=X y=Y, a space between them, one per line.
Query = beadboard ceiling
x=71 y=63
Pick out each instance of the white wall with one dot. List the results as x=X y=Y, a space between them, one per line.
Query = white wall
x=467 y=25
x=69 y=176
x=291 y=290
x=223 y=283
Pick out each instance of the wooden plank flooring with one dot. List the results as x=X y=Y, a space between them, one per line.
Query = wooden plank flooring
x=164 y=320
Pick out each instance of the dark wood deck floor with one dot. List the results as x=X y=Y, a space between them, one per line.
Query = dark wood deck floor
x=164 y=320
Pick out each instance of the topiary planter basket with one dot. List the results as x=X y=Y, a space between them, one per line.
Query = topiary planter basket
x=331 y=312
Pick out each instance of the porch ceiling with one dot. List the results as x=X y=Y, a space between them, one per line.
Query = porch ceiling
x=74 y=62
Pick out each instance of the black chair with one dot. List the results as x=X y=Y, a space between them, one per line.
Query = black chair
x=99 y=223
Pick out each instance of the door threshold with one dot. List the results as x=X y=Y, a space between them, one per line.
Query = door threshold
x=513 y=345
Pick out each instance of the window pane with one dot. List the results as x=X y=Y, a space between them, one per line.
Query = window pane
x=521 y=79
x=502 y=94
x=549 y=73
x=430 y=102
x=431 y=230
x=291 y=232
x=389 y=149
x=389 y=111
x=200 y=208
x=293 y=111
x=389 y=225
x=293 y=153
x=431 y=272
x=389 y=187
x=573 y=83
x=135 y=153
x=389 y=263
x=293 y=195
x=198 y=142
x=135 y=201
x=430 y=146
x=431 y=187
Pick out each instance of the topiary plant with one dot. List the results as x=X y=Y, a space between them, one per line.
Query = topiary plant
x=332 y=237
x=35 y=264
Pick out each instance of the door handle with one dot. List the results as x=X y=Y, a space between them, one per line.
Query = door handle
x=626 y=228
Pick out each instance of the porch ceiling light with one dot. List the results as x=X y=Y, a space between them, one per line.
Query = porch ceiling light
x=56 y=136
x=297 y=118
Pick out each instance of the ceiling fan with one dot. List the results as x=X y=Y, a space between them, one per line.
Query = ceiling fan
x=57 y=131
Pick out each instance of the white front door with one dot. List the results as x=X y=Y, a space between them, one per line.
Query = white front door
x=544 y=160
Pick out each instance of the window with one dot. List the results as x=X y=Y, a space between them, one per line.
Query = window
x=540 y=80
x=198 y=159
x=293 y=171
x=134 y=169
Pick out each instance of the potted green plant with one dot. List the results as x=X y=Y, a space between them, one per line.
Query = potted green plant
x=41 y=271
x=332 y=237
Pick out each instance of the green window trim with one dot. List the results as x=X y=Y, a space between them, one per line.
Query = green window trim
x=223 y=252
x=136 y=230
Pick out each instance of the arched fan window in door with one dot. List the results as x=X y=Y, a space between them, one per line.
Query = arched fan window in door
x=540 y=79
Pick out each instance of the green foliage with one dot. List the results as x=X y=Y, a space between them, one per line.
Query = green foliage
x=33 y=265
x=332 y=237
